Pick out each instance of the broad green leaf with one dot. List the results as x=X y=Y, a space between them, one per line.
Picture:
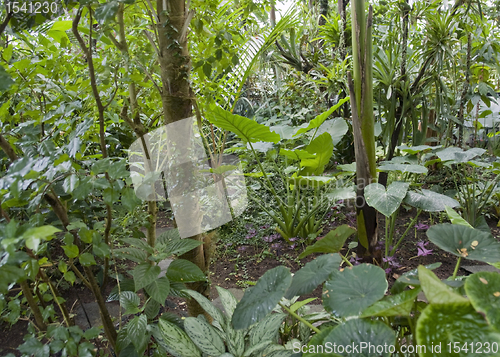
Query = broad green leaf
x=144 y=274
x=465 y=242
x=228 y=301
x=412 y=150
x=136 y=329
x=296 y=154
x=5 y=80
x=429 y=201
x=70 y=183
x=386 y=201
x=181 y=246
x=316 y=346
x=130 y=302
x=152 y=309
x=262 y=298
x=183 y=271
x=106 y=11
x=33 y=236
x=312 y=274
x=178 y=342
x=267 y=329
x=246 y=129
x=337 y=128
x=129 y=199
x=415 y=169
x=204 y=336
x=410 y=278
x=70 y=277
x=331 y=243
x=455 y=218
x=352 y=290
x=453 y=325
x=87 y=259
x=393 y=305
x=159 y=289
x=361 y=333
x=483 y=290
x=436 y=291
x=320 y=119
x=71 y=250
x=457 y=155
x=322 y=148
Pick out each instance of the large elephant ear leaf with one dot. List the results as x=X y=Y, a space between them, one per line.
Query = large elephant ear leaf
x=429 y=201
x=386 y=201
x=352 y=290
x=465 y=242
x=246 y=129
x=322 y=148
x=483 y=290
x=441 y=327
x=261 y=299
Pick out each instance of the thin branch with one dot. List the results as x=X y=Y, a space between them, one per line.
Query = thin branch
x=5 y=22
x=148 y=35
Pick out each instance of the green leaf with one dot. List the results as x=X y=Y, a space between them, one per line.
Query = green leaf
x=207 y=306
x=262 y=298
x=5 y=80
x=410 y=278
x=312 y=274
x=228 y=301
x=204 y=336
x=129 y=199
x=144 y=274
x=393 y=305
x=483 y=290
x=455 y=218
x=448 y=325
x=70 y=183
x=267 y=329
x=178 y=342
x=412 y=150
x=183 y=271
x=33 y=347
x=159 y=289
x=317 y=121
x=136 y=329
x=457 y=155
x=296 y=154
x=152 y=309
x=106 y=11
x=386 y=201
x=70 y=277
x=87 y=259
x=246 y=129
x=71 y=250
x=130 y=302
x=181 y=246
x=352 y=290
x=465 y=242
x=361 y=333
x=436 y=291
x=415 y=169
x=331 y=243
x=322 y=148
x=33 y=236
x=429 y=201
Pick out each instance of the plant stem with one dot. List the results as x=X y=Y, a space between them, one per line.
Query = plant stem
x=345 y=260
x=406 y=232
x=307 y=323
x=456 y=268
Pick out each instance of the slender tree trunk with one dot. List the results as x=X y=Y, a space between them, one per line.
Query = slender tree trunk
x=33 y=306
x=361 y=92
x=465 y=89
x=177 y=100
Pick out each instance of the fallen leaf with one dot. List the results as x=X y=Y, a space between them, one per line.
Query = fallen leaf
x=483 y=280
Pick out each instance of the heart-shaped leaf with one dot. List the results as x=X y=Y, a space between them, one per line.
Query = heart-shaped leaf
x=483 y=290
x=159 y=289
x=358 y=335
x=429 y=201
x=465 y=242
x=410 y=278
x=393 y=305
x=441 y=328
x=415 y=169
x=296 y=154
x=352 y=290
x=312 y=274
x=331 y=243
x=261 y=299
x=416 y=149
x=322 y=148
x=386 y=201
x=457 y=155
x=246 y=129
x=436 y=291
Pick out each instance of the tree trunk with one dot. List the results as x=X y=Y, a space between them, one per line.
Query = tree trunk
x=177 y=101
x=361 y=92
